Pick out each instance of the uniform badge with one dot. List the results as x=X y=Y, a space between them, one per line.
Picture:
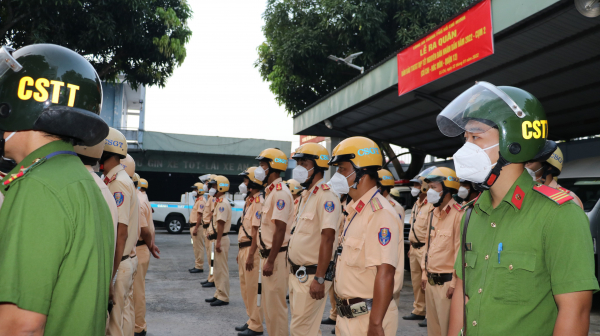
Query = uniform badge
x=119 y=198
x=399 y=215
x=384 y=236
x=221 y=209
x=280 y=204
x=279 y=187
x=201 y=206
x=257 y=215
x=329 y=206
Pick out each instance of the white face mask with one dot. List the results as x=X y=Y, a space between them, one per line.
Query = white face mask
x=194 y=194
x=532 y=173
x=300 y=174
x=243 y=189
x=472 y=162
x=433 y=196
x=260 y=173
x=5 y=141
x=212 y=191
x=415 y=191
x=339 y=183
x=463 y=192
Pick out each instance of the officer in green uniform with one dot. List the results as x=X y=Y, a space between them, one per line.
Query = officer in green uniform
x=528 y=255
x=56 y=231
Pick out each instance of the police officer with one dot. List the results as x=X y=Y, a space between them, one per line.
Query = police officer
x=207 y=215
x=311 y=244
x=386 y=179
x=466 y=193
x=247 y=257
x=196 y=230
x=524 y=277
x=273 y=236
x=547 y=172
x=417 y=237
x=217 y=234
x=443 y=240
x=56 y=241
x=297 y=191
x=121 y=186
x=370 y=267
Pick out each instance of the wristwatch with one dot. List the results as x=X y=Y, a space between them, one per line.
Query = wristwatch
x=320 y=280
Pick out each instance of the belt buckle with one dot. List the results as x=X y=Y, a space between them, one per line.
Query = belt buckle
x=301 y=274
x=358 y=309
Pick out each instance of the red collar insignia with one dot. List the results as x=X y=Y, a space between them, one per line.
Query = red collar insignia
x=447 y=209
x=517 y=197
x=360 y=206
x=271 y=187
x=425 y=202
x=296 y=201
x=316 y=189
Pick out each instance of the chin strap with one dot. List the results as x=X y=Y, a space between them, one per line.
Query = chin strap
x=493 y=175
x=359 y=174
x=444 y=192
x=309 y=181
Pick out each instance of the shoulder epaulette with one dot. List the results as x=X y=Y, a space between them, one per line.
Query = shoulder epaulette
x=24 y=170
x=566 y=191
x=325 y=186
x=556 y=195
x=468 y=204
x=375 y=204
x=279 y=187
x=257 y=199
x=392 y=203
x=457 y=207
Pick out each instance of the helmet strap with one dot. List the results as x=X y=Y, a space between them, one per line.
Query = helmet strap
x=494 y=174
x=309 y=181
x=445 y=191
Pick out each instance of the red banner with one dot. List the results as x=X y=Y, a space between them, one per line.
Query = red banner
x=460 y=42
x=310 y=138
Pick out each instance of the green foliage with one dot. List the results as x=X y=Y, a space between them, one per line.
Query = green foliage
x=300 y=34
x=144 y=40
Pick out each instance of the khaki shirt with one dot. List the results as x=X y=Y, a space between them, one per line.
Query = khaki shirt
x=277 y=206
x=194 y=212
x=319 y=210
x=222 y=212
x=444 y=243
x=109 y=200
x=398 y=207
x=251 y=216
x=208 y=207
x=297 y=202
x=200 y=210
x=146 y=212
x=372 y=238
x=123 y=190
x=419 y=221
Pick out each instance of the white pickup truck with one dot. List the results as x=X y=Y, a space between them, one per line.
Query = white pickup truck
x=175 y=216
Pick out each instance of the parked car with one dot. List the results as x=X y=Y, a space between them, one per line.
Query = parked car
x=175 y=216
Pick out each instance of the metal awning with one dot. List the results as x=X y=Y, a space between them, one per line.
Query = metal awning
x=553 y=52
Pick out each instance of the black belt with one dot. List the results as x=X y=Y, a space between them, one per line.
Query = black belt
x=439 y=278
x=353 y=307
x=312 y=269
x=123 y=258
x=214 y=236
x=265 y=253
x=140 y=243
x=244 y=244
x=205 y=226
x=417 y=245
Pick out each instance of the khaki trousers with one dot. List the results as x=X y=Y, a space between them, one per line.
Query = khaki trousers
x=129 y=312
x=249 y=288
x=221 y=270
x=359 y=326
x=438 y=309
x=198 y=244
x=416 y=256
x=333 y=310
x=139 y=287
x=307 y=312
x=123 y=282
x=274 y=290
x=208 y=247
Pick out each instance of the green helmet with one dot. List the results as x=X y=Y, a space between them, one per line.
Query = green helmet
x=45 y=87
x=518 y=115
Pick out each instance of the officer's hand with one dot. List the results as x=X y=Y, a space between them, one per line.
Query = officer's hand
x=423 y=284
x=195 y=231
x=375 y=330
x=155 y=251
x=218 y=246
x=450 y=292
x=408 y=253
x=111 y=292
x=317 y=291
x=268 y=269
x=249 y=263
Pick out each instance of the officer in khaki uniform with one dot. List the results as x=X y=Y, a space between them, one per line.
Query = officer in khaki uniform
x=297 y=193
x=207 y=217
x=274 y=233
x=311 y=244
x=197 y=231
x=371 y=252
x=438 y=278
x=124 y=192
x=217 y=234
x=417 y=238
x=248 y=260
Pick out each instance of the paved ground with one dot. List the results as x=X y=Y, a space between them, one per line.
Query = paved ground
x=175 y=298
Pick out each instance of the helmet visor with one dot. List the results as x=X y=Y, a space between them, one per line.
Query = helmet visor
x=7 y=61
x=477 y=110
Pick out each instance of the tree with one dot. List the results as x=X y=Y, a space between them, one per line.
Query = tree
x=143 y=40
x=300 y=34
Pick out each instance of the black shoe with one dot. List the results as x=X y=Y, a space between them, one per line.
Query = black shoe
x=208 y=284
x=413 y=317
x=249 y=332
x=212 y=299
x=242 y=328
x=423 y=323
x=203 y=282
x=328 y=321
x=218 y=303
x=195 y=270
x=333 y=331
x=143 y=333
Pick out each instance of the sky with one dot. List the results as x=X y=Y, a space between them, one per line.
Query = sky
x=217 y=91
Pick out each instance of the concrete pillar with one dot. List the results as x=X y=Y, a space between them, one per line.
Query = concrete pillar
x=330 y=143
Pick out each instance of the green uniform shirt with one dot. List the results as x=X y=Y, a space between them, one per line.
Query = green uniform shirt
x=56 y=243
x=546 y=250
